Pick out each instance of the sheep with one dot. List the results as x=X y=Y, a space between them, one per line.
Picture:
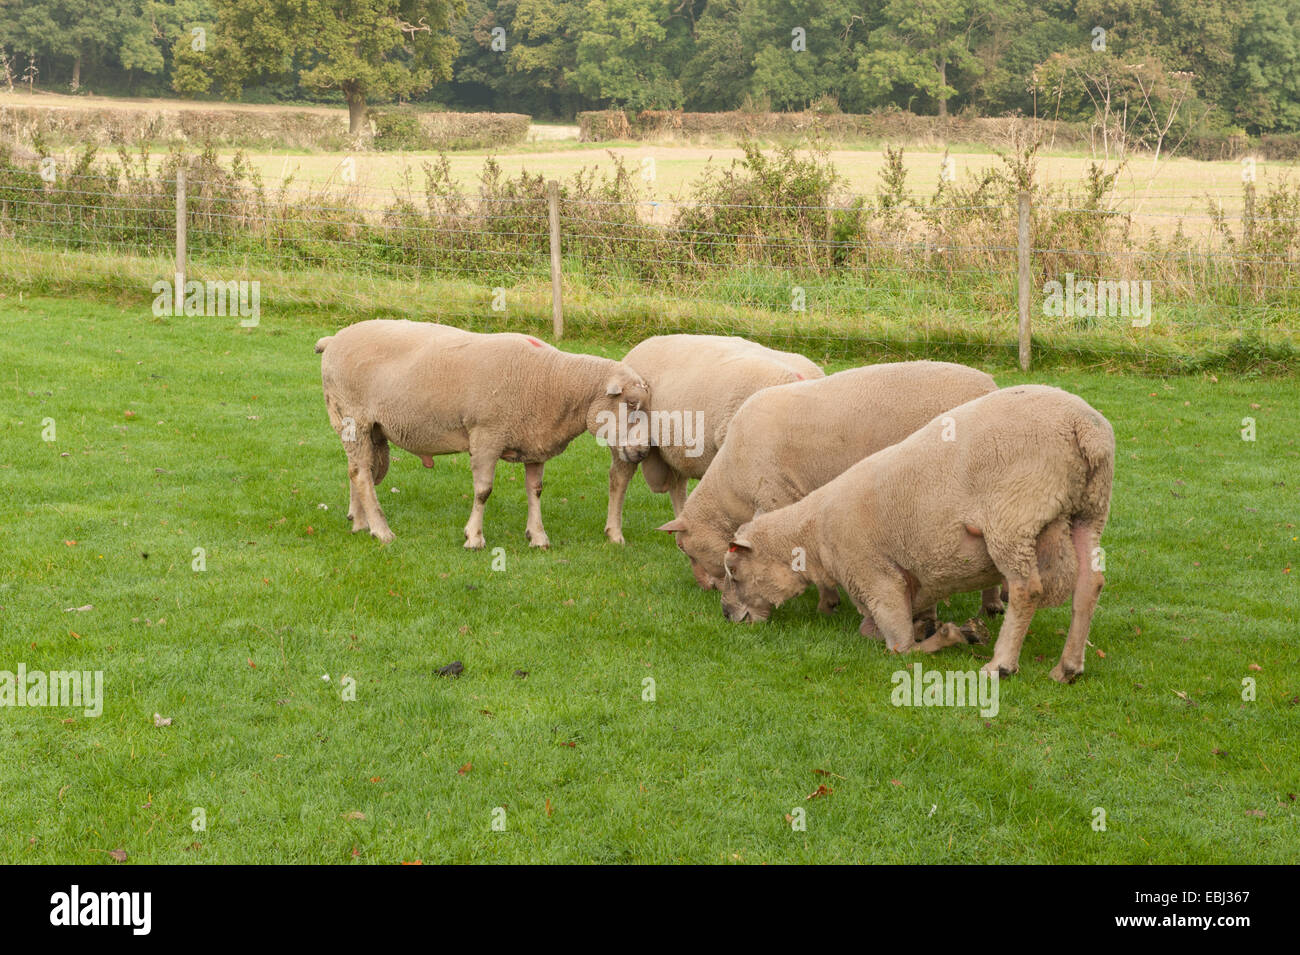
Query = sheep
x=697 y=382
x=789 y=440
x=1015 y=484
x=432 y=389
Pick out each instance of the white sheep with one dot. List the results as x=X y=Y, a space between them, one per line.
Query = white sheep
x=789 y=440
x=1015 y=484
x=697 y=383
x=432 y=389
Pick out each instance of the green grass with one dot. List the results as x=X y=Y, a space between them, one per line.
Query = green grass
x=227 y=447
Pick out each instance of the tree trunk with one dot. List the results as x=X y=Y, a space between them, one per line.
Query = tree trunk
x=943 y=97
x=356 y=111
x=76 y=73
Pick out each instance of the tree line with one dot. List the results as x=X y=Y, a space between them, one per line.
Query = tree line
x=1216 y=65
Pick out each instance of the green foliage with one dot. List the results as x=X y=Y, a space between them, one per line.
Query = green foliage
x=1239 y=62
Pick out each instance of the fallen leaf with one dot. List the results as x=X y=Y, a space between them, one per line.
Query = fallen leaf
x=376 y=779
x=464 y=769
x=548 y=807
x=822 y=790
x=354 y=814
x=1256 y=667
x=1257 y=813
x=117 y=855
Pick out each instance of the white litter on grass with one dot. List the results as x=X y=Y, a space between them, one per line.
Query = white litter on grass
x=394 y=490
x=325 y=677
x=81 y=609
x=322 y=507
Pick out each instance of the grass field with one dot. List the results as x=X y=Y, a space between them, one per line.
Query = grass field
x=175 y=434
x=1160 y=195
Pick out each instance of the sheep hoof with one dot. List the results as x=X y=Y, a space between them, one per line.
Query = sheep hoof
x=1062 y=675
x=999 y=669
x=615 y=536
x=477 y=542
x=538 y=540
x=994 y=609
x=383 y=535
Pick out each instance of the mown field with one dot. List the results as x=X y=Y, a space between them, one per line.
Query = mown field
x=1160 y=194
x=174 y=434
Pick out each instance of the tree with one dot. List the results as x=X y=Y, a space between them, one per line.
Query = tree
x=1266 y=81
x=631 y=52
x=803 y=49
x=923 y=43
x=366 y=49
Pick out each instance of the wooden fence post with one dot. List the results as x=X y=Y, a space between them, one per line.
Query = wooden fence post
x=1025 y=292
x=553 y=209
x=178 y=292
x=1248 y=240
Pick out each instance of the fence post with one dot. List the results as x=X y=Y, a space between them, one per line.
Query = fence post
x=1248 y=239
x=1025 y=293
x=553 y=211
x=179 y=290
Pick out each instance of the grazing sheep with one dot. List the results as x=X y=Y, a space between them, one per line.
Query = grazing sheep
x=432 y=389
x=789 y=440
x=1015 y=484
x=697 y=383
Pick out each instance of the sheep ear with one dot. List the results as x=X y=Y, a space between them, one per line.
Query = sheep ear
x=673 y=526
x=613 y=389
x=740 y=543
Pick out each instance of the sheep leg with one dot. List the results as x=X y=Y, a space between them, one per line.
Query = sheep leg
x=1011 y=636
x=534 y=532
x=378 y=455
x=677 y=492
x=1087 y=588
x=891 y=612
x=620 y=475
x=366 y=512
x=991 y=601
x=828 y=598
x=483 y=464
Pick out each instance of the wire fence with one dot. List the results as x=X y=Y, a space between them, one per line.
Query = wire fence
x=999 y=270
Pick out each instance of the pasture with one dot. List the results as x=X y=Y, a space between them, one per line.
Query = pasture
x=1161 y=195
x=174 y=434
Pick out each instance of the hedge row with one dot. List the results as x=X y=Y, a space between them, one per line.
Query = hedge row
x=896 y=126
x=255 y=128
x=113 y=126
x=412 y=129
